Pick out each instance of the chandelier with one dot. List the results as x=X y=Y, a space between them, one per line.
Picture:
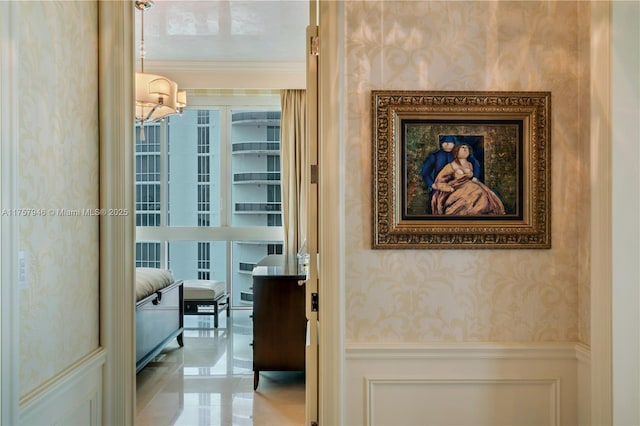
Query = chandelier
x=156 y=96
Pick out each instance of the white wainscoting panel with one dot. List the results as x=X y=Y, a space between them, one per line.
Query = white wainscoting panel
x=428 y=402
x=72 y=398
x=462 y=384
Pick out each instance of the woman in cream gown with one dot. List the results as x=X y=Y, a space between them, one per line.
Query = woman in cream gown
x=457 y=192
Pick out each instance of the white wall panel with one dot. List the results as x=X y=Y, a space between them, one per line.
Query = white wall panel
x=462 y=384
x=72 y=398
x=625 y=115
x=56 y=178
x=462 y=402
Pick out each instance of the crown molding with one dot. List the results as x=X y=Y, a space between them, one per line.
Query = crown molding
x=159 y=66
x=231 y=75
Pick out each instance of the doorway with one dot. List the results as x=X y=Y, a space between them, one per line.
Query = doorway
x=227 y=24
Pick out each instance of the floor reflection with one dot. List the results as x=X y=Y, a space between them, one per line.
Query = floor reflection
x=210 y=381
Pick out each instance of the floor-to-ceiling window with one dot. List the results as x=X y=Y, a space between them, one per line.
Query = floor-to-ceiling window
x=208 y=195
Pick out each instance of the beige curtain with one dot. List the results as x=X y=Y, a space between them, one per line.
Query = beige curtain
x=293 y=141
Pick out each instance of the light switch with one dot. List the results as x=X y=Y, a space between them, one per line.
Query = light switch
x=23 y=269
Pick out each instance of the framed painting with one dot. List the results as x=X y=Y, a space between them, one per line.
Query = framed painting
x=461 y=169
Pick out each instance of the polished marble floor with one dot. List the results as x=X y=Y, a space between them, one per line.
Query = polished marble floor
x=209 y=381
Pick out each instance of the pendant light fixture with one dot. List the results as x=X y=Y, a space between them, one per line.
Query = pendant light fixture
x=157 y=97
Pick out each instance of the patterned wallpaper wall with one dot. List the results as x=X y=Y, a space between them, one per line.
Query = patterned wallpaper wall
x=422 y=296
x=58 y=177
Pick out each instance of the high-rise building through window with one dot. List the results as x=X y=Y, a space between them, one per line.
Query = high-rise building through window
x=148 y=177
x=147 y=254
x=208 y=193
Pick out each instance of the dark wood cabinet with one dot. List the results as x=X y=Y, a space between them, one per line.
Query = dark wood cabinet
x=279 y=320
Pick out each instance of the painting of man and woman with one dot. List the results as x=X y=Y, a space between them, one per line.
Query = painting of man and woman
x=461 y=170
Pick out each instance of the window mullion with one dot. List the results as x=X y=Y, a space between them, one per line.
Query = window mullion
x=164 y=189
x=226 y=178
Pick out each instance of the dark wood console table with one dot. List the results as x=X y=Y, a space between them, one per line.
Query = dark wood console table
x=279 y=319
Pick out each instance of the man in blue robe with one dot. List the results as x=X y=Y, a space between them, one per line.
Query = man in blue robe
x=437 y=160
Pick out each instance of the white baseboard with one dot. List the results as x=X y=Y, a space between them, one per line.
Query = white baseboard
x=464 y=384
x=74 y=397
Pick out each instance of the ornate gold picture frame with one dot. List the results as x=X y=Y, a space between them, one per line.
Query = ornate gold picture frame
x=461 y=169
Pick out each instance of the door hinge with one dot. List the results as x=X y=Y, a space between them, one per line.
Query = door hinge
x=314 y=423
x=314 y=173
x=314 y=302
x=314 y=46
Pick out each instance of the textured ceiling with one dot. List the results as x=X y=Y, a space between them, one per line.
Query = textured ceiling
x=224 y=30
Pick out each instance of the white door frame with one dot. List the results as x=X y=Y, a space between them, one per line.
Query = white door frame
x=117 y=234
x=331 y=212
x=118 y=238
x=310 y=160
x=601 y=219
x=9 y=325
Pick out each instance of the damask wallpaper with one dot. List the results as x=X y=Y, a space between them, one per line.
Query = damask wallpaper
x=57 y=179
x=421 y=296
